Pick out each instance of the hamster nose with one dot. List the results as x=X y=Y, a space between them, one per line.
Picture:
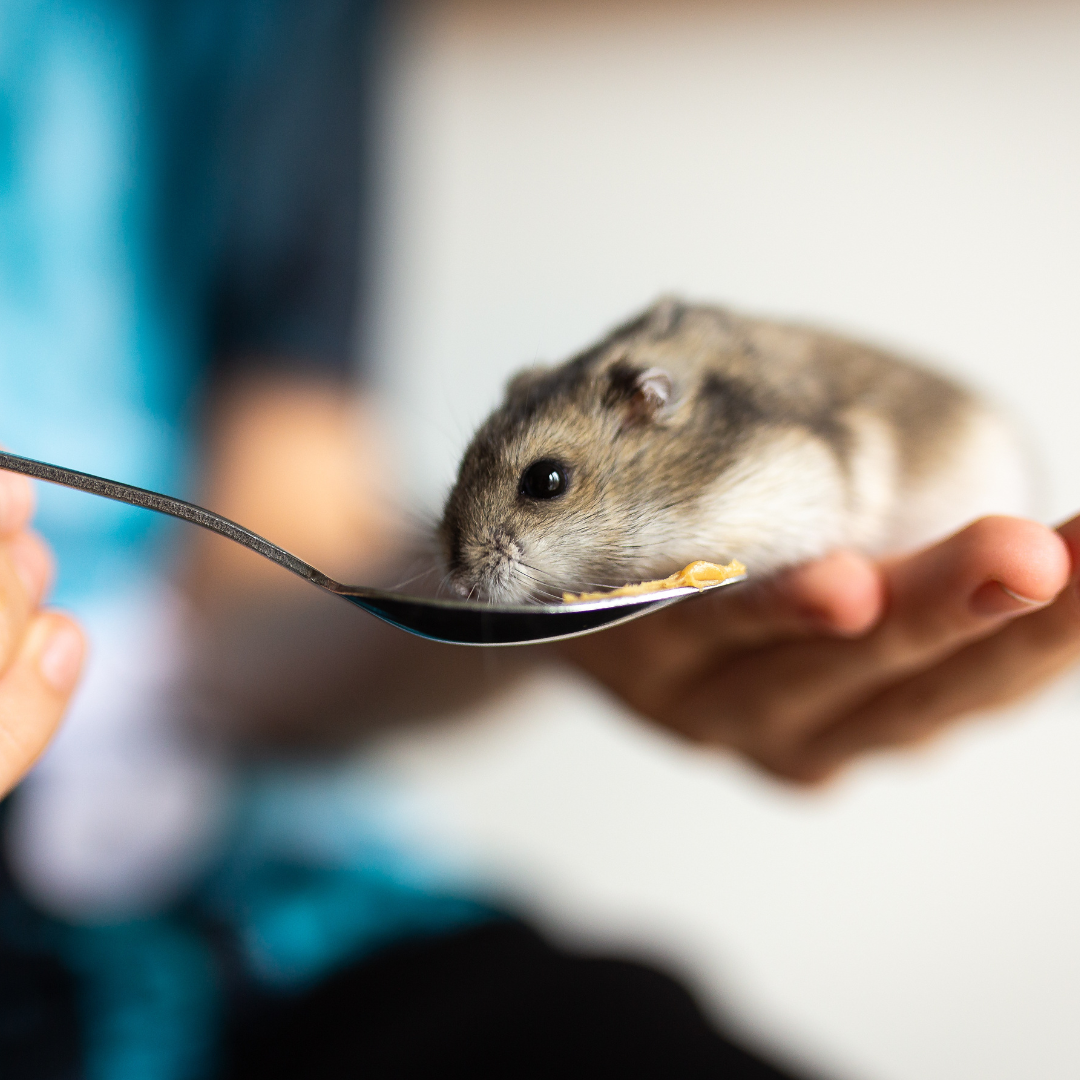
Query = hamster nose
x=463 y=588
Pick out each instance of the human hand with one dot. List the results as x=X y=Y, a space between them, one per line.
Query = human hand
x=804 y=673
x=40 y=651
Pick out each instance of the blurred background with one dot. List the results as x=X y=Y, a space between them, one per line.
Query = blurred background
x=903 y=171
x=181 y=192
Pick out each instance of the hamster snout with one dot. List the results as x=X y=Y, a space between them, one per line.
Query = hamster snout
x=694 y=433
x=486 y=564
x=486 y=539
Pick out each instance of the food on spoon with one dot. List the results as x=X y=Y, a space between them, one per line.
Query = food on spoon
x=698 y=575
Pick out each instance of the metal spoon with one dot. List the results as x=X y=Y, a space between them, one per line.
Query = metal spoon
x=460 y=622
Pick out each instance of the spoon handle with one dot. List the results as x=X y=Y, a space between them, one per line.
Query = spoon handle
x=163 y=504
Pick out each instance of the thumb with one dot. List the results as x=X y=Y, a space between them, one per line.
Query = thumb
x=35 y=690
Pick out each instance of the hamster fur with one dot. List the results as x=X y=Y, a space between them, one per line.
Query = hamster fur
x=695 y=433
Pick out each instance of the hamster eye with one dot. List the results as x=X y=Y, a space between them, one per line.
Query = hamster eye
x=544 y=479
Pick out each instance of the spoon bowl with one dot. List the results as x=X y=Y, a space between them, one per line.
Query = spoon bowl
x=458 y=622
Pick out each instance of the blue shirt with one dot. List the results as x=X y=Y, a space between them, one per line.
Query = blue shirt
x=180 y=193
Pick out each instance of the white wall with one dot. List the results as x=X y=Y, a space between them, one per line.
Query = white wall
x=909 y=172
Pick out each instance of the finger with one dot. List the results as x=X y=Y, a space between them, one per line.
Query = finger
x=16 y=502
x=35 y=690
x=940 y=599
x=25 y=569
x=1021 y=657
x=840 y=594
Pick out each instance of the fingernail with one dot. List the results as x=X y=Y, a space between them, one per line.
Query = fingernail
x=61 y=659
x=993 y=598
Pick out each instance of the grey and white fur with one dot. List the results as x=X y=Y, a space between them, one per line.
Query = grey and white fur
x=695 y=433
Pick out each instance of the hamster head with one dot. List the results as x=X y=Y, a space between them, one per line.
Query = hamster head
x=575 y=480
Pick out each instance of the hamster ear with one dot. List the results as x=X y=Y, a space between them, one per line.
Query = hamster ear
x=665 y=315
x=642 y=395
x=652 y=390
x=521 y=384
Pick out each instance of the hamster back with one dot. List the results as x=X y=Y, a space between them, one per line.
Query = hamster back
x=695 y=433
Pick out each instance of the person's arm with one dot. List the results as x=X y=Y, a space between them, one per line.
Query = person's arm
x=40 y=651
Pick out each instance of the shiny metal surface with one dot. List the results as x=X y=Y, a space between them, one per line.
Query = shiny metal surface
x=459 y=622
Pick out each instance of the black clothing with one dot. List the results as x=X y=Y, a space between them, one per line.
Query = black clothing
x=492 y=1000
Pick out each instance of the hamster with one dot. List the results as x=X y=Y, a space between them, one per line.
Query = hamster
x=692 y=433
